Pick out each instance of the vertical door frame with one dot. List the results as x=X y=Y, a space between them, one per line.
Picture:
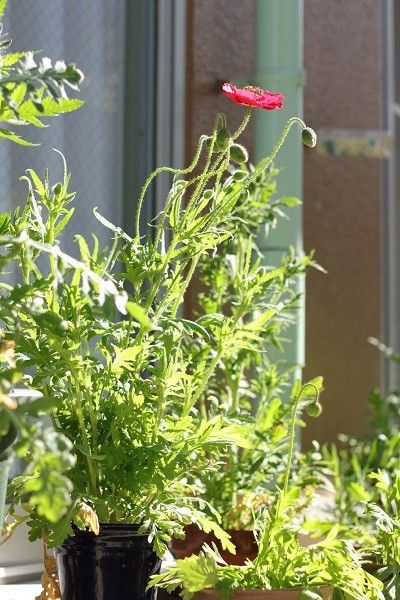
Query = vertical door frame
x=154 y=99
x=390 y=222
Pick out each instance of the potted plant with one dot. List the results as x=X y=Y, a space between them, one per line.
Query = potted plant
x=351 y=462
x=383 y=558
x=29 y=93
x=364 y=476
x=282 y=569
x=367 y=515
x=247 y=383
x=125 y=391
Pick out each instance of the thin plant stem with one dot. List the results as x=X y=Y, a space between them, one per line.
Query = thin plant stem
x=154 y=174
x=292 y=437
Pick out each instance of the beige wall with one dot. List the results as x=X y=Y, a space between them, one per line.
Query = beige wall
x=220 y=47
x=342 y=210
x=342 y=196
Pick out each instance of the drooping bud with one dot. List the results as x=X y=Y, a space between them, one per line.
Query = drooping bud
x=314 y=409
x=309 y=137
x=57 y=188
x=222 y=140
x=239 y=153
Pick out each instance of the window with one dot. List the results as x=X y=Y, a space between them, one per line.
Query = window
x=92 y=34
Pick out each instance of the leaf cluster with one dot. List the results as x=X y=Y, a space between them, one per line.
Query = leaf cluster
x=128 y=392
x=31 y=91
x=281 y=563
x=250 y=382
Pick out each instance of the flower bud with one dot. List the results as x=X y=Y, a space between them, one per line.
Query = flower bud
x=57 y=189
x=222 y=140
x=309 y=137
x=239 y=154
x=314 y=409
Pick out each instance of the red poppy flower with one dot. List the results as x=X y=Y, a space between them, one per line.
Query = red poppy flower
x=253 y=96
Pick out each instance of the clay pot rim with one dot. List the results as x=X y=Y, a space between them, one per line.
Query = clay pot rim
x=323 y=586
x=110 y=529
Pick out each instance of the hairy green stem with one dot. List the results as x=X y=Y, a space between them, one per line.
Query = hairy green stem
x=154 y=174
x=292 y=436
x=185 y=285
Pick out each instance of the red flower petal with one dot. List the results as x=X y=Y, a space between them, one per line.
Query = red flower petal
x=251 y=96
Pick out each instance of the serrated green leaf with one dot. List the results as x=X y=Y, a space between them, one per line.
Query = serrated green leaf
x=64 y=222
x=207 y=525
x=18 y=94
x=197 y=572
x=258 y=323
x=123 y=357
x=290 y=202
x=50 y=107
x=39 y=186
x=13 y=137
x=10 y=59
x=3 y=6
x=138 y=314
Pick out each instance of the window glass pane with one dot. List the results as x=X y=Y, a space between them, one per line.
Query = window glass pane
x=396 y=247
x=397 y=50
x=90 y=33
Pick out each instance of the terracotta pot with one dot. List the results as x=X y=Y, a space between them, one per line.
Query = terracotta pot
x=286 y=594
x=192 y=544
x=244 y=541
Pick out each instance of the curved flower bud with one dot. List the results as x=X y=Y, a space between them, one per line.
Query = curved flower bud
x=314 y=409
x=309 y=137
x=239 y=153
x=222 y=140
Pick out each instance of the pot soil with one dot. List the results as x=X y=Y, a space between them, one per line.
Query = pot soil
x=116 y=564
x=244 y=541
x=284 y=594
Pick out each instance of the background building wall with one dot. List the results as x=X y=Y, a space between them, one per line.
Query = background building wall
x=342 y=195
x=342 y=211
x=221 y=47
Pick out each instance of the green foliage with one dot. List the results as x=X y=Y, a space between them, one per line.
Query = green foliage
x=48 y=453
x=247 y=384
x=385 y=517
x=281 y=563
x=31 y=91
x=366 y=477
x=126 y=391
x=3 y=5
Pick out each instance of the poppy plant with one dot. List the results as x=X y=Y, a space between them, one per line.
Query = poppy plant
x=253 y=96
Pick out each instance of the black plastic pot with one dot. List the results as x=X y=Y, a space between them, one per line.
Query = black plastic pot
x=115 y=565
